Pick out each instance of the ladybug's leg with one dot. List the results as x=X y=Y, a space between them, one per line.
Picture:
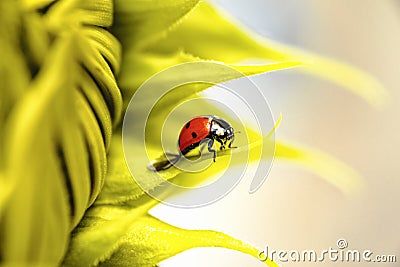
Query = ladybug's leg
x=230 y=143
x=222 y=143
x=210 y=148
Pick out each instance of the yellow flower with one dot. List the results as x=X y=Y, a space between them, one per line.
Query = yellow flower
x=66 y=194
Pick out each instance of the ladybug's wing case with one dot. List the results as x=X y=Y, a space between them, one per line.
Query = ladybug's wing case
x=193 y=132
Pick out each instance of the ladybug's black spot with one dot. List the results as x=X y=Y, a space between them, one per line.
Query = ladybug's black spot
x=187 y=125
x=194 y=135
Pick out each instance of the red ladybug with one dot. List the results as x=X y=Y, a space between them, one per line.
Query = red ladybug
x=205 y=127
x=196 y=130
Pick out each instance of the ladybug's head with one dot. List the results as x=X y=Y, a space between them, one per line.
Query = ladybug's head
x=222 y=132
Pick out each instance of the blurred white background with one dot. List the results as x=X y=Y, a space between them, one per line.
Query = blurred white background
x=295 y=209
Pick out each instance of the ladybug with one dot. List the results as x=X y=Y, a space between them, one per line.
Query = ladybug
x=200 y=129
